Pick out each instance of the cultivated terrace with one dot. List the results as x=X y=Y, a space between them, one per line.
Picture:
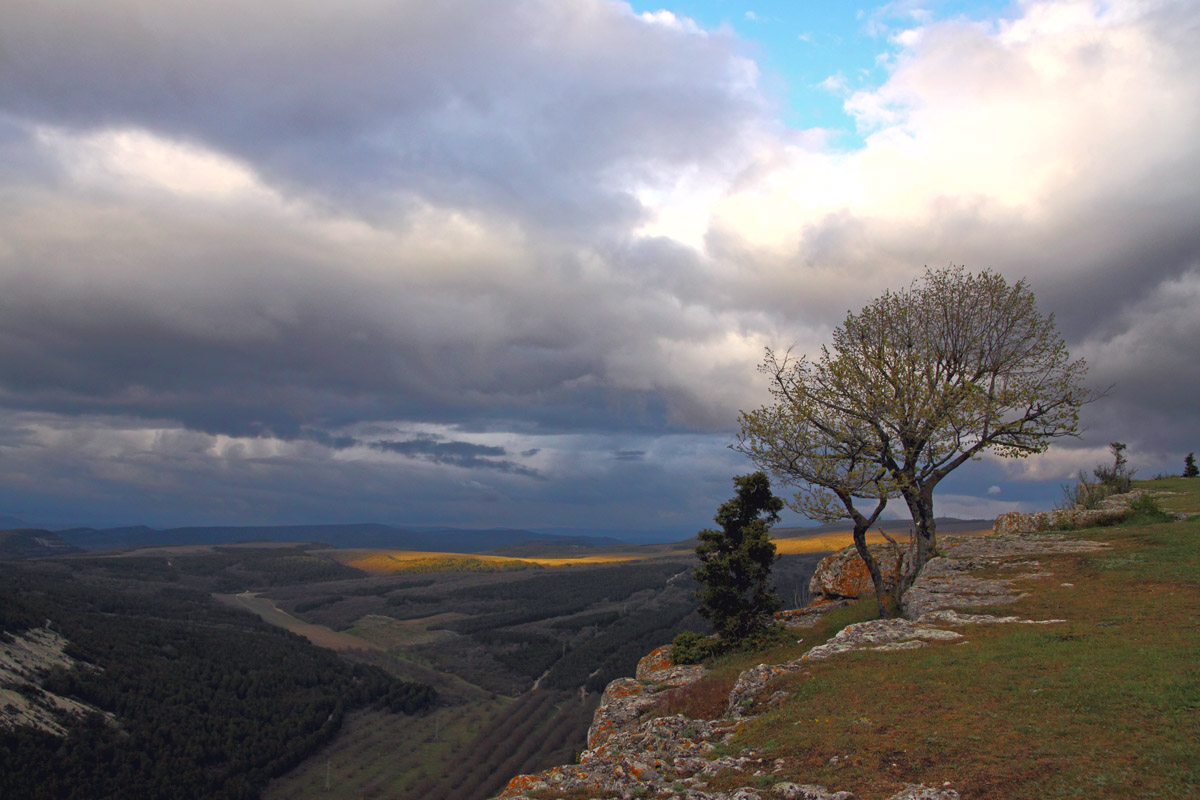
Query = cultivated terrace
x=1052 y=664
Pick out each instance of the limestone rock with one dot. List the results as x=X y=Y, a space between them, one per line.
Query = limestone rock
x=807 y=791
x=625 y=698
x=1112 y=509
x=917 y=791
x=657 y=659
x=676 y=757
x=650 y=758
x=751 y=682
x=947 y=582
x=808 y=616
x=879 y=634
x=844 y=574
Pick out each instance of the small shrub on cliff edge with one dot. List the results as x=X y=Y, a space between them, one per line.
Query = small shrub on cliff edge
x=1117 y=478
x=690 y=647
x=1083 y=494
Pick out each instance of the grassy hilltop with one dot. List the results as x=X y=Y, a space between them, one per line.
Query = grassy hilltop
x=1105 y=705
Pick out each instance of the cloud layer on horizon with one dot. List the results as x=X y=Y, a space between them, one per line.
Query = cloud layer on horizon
x=375 y=260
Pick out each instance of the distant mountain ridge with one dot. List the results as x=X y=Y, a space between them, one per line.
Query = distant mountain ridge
x=892 y=526
x=21 y=543
x=347 y=536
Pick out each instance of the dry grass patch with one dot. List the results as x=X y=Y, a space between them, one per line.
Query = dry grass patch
x=705 y=699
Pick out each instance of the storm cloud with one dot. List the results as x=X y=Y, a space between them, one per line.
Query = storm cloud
x=515 y=263
x=435 y=448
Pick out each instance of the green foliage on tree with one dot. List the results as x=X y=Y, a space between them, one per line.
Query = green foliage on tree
x=1189 y=466
x=828 y=457
x=736 y=595
x=916 y=384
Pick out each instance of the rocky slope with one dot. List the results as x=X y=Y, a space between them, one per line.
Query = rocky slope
x=630 y=755
x=25 y=658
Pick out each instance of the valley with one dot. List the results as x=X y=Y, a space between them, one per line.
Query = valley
x=515 y=644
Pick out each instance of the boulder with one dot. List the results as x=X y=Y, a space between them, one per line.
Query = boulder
x=658 y=659
x=844 y=574
x=625 y=699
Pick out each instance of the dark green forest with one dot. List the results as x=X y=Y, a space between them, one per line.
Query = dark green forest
x=198 y=700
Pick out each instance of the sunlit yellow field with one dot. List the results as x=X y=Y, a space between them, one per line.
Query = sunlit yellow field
x=836 y=540
x=385 y=562
x=382 y=562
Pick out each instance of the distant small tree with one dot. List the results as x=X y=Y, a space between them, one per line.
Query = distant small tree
x=735 y=562
x=1189 y=466
x=1118 y=478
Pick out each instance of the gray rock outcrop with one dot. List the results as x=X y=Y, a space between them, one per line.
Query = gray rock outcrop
x=675 y=757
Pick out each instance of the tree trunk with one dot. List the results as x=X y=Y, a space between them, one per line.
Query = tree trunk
x=860 y=544
x=920 y=505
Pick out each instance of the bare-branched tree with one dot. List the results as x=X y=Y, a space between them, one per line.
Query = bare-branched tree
x=829 y=458
x=916 y=384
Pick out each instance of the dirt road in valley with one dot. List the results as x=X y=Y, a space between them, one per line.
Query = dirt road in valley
x=317 y=634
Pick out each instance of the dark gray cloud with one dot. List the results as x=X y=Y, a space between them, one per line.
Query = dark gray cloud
x=372 y=260
x=108 y=471
x=434 y=447
x=518 y=107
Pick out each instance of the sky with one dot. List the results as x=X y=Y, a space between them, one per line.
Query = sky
x=514 y=264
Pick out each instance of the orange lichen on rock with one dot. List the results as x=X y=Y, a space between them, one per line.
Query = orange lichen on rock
x=845 y=574
x=622 y=687
x=659 y=658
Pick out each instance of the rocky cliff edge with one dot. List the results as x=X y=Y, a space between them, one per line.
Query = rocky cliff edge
x=635 y=754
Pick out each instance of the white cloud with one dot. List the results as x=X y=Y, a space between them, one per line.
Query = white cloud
x=562 y=216
x=138 y=161
x=672 y=21
x=835 y=83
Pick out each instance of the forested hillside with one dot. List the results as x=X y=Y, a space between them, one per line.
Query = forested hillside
x=195 y=699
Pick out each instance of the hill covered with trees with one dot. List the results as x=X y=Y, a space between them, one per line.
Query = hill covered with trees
x=192 y=699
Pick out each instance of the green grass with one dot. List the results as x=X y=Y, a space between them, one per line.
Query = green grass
x=1187 y=493
x=1106 y=705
